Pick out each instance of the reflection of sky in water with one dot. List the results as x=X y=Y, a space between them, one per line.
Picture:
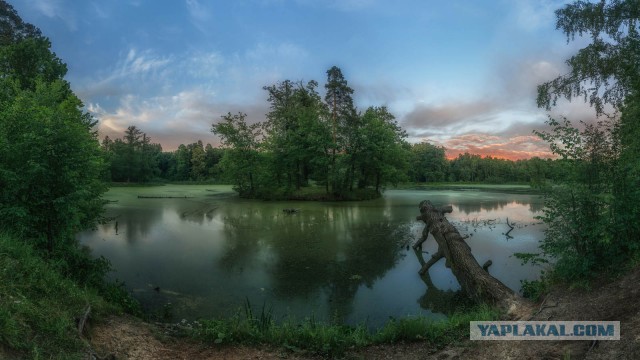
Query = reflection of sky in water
x=209 y=252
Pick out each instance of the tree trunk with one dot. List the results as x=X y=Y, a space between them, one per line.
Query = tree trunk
x=474 y=280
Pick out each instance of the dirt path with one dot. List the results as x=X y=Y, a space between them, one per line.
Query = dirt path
x=129 y=338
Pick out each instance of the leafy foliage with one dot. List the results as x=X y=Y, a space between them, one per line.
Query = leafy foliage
x=241 y=163
x=132 y=158
x=592 y=216
x=605 y=71
x=305 y=140
x=51 y=165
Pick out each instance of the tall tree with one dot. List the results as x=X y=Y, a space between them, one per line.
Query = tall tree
x=133 y=142
x=50 y=161
x=384 y=153
x=344 y=127
x=198 y=162
x=296 y=133
x=241 y=162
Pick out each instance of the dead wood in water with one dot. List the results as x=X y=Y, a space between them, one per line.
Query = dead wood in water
x=474 y=280
x=510 y=228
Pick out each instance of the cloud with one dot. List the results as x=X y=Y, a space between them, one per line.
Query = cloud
x=175 y=98
x=148 y=72
x=55 y=9
x=340 y=5
x=501 y=121
x=100 y=11
x=181 y=118
x=531 y=15
x=447 y=116
x=201 y=14
x=506 y=147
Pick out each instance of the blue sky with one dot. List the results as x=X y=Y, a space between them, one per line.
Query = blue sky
x=461 y=74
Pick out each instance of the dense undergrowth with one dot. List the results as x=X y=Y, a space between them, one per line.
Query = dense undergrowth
x=39 y=306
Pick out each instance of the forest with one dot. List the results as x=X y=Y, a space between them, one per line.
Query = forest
x=134 y=159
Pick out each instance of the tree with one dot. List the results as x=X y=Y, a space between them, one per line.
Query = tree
x=607 y=70
x=241 y=161
x=132 y=158
x=12 y=28
x=51 y=166
x=296 y=135
x=344 y=128
x=577 y=211
x=212 y=158
x=428 y=163
x=384 y=151
x=198 y=162
x=340 y=102
x=589 y=212
x=132 y=141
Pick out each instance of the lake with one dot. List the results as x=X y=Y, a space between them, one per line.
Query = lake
x=208 y=252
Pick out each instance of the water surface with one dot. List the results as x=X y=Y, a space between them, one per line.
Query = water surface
x=209 y=251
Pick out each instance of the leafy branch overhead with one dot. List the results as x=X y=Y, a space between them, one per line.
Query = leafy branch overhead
x=605 y=71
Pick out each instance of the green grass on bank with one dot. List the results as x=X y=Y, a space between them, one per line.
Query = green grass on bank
x=39 y=307
x=331 y=340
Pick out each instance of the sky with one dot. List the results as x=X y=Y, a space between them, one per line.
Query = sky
x=459 y=74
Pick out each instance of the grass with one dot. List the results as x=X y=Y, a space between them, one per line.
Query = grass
x=333 y=340
x=39 y=307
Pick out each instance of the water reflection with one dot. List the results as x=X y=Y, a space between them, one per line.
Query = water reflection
x=329 y=250
x=437 y=300
x=210 y=252
x=133 y=225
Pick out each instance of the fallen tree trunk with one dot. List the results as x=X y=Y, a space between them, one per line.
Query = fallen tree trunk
x=474 y=280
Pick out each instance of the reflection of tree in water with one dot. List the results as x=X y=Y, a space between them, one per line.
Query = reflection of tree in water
x=476 y=207
x=436 y=300
x=493 y=205
x=132 y=223
x=536 y=206
x=334 y=248
x=240 y=245
x=196 y=211
x=243 y=231
x=306 y=246
x=374 y=249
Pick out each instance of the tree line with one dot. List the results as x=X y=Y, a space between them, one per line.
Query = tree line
x=133 y=158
